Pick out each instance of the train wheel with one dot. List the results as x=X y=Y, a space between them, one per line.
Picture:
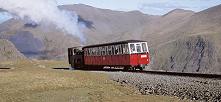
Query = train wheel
x=134 y=68
x=72 y=67
x=141 y=68
x=126 y=68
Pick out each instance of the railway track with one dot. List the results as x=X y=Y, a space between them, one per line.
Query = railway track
x=199 y=75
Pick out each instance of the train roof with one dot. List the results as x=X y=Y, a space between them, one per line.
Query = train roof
x=114 y=43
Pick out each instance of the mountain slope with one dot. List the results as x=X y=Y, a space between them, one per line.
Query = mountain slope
x=110 y=24
x=45 y=39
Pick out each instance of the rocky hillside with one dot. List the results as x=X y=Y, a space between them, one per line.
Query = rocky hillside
x=198 y=53
x=194 y=46
x=9 y=52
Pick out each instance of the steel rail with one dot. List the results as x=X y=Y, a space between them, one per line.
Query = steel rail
x=199 y=75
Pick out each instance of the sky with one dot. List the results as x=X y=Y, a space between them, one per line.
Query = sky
x=152 y=7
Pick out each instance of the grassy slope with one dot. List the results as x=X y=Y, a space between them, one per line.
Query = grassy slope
x=38 y=81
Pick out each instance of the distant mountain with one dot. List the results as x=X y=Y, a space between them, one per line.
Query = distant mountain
x=109 y=24
x=1 y=10
x=180 y=40
x=51 y=43
x=177 y=12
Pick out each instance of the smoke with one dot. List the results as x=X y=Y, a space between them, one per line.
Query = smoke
x=43 y=12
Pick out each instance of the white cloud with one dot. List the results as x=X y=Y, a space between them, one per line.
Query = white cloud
x=43 y=12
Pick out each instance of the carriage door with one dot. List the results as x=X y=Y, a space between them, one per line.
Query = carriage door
x=70 y=54
x=133 y=55
x=139 y=51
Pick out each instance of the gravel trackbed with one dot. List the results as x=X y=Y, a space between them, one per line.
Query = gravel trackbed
x=200 y=89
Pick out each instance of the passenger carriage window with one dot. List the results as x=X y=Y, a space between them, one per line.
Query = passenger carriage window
x=125 y=48
x=92 y=50
x=132 y=48
x=138 y=48
x=119 y=49
x=113 y=50
x=144 y=47
x=86 y=52
x=106 y=50
x=89 y=53
x=99 y=51
x=103 y=50
x=116 y=50
x=109 y=50
x=95 y=51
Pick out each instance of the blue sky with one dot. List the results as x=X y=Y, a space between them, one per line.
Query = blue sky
x=153 y=7
x=4 y=16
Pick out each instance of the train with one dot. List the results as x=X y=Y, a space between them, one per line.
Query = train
x=127 y=54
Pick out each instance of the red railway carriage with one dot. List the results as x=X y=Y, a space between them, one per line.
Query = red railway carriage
x=128 y=54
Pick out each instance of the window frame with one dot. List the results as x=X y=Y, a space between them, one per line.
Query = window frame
x=130 y=50
x=106 y=50
x=113 y=49
x=146 y=47
x=109 y=50
x=126 y=49
x=135 y=44
x=140 y=50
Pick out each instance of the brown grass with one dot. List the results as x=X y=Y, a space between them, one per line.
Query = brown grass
x=37 y=81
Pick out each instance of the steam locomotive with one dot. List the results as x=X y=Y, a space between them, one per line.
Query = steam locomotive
x=129 y=54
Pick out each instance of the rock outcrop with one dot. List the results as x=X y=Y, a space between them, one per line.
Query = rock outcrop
x=190 y=54
x=9 y=52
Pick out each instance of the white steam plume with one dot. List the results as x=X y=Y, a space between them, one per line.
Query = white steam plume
x=44 y=11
